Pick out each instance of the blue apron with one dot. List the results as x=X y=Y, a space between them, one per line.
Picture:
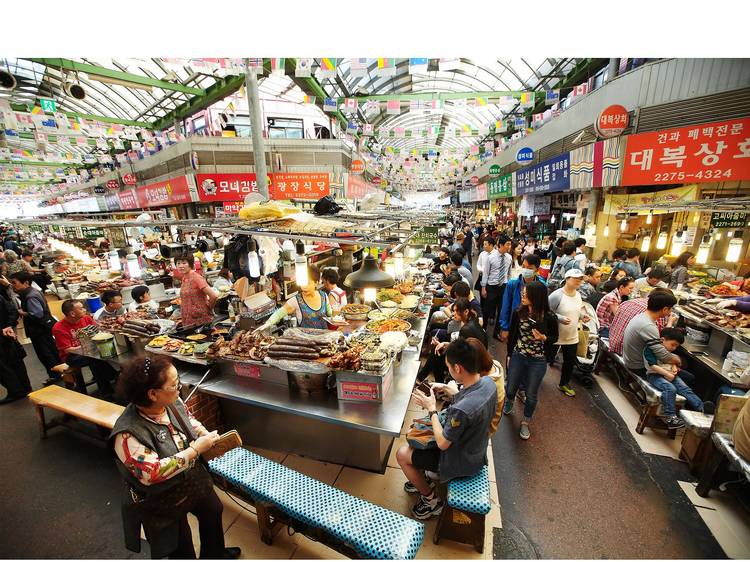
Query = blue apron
x=313 y=318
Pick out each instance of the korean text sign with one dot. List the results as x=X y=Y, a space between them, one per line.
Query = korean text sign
x=225 y=187
x=300 y=186
x=547 y=177
x=718 y=151
x=170 y=192
x=500 y=187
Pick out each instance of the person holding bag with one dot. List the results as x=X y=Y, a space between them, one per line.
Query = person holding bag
x=533 y=330
x=13 y=375
x=157 y=447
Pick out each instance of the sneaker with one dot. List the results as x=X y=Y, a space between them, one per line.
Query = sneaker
x=673 y=422
x=522 y=396
x=410 y=488
x=524 y=432
x=508 y=407
x=566 y=390
x=427 y=507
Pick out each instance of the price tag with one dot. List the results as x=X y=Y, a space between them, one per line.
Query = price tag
x=248 y=371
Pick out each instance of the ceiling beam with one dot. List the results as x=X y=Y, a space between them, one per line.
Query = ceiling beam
x=93 y=71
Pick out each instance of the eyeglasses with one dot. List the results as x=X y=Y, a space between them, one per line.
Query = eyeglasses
x=172 y=388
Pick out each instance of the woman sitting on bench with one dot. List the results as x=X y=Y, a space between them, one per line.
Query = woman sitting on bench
x=158 y=445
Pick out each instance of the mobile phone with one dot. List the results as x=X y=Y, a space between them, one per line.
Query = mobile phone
x=424 y=387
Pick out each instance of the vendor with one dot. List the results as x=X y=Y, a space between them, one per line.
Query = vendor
x=336 y=295
x=197 y=298
x=680 y=276
x=741 y=304
x=142 y=299
x=310 y=305
x=112 y=306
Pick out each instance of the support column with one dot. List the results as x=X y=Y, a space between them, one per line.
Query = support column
x=256 y=128
x=614 y=65
x=593 y=207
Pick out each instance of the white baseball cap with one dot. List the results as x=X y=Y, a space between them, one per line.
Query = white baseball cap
x=573 y=273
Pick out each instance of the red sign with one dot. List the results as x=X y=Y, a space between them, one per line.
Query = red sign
x=129 y=179
x=128 y=199
x=226 y=187
x=718 y=151
x=612 y=121
x=246 y=370
x=170 y=192
x=357 y=188
x=474 y=180
x=232 y=207
x=113 y=184
x=300 y=186
x=357 y=167
x=482 y=192
x=359 y=390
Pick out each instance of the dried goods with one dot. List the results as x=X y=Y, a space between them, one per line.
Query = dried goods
x=244 y=345
x=349 y=360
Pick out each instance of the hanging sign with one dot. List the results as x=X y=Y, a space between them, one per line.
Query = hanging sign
x=494 y=170
x=481 y=192
x=474 y=180
x=232 y=207
x=358 y=166
x=225 y=187
x=549 y=176
x=729 y=220
x=128 y=199
x=612 y=121
x=614 y=204
x=501 y=187
x=99 y=189
x=542 y=205
x=112 y=202
x=170 y=192
x=129 y=179
x=524 y=155
x=48 y=105
x=718 y=151
x=300 y=186
x=426 y=235
x=113 y=184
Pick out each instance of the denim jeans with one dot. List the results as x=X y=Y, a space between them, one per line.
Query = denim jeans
x=670 y=390
x=527 y=370
x=604 y=332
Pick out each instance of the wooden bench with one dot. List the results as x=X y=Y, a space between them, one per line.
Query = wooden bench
x=80 y=406
x=647 y=397
x=467 y=502
x=345 y=523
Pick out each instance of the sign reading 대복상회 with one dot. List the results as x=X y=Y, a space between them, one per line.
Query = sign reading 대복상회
x=729 y=220
x=718 y=151
x=612 y=121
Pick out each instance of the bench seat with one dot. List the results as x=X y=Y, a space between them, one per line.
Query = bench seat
x=725 y=445
x=697 y=422
x=372 y=531
x=81 y=406
x=471 y=494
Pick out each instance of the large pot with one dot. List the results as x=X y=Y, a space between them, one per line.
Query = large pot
x=309 y=382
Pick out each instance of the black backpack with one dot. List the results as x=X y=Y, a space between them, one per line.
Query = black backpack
x=326 y=206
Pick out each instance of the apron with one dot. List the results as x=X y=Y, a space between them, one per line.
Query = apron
x=313 y=318
x=194 y=310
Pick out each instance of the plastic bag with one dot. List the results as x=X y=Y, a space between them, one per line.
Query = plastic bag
x=320 y=336
x=314 y=367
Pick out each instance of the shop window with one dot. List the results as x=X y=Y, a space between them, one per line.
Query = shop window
x=285 y=128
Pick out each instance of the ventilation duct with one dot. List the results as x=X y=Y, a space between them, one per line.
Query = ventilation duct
x=74 y=90
x=7 y=80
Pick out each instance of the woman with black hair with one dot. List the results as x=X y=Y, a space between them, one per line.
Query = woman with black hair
x=680 y=275
x=533 y=330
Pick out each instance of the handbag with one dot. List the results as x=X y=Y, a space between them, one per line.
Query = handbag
x=227 y=441
x=420 y=434
x=583 y=341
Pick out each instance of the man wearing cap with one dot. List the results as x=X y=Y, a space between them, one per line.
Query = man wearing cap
x=567 y=304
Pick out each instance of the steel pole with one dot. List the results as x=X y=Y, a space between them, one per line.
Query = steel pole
x=256 y=127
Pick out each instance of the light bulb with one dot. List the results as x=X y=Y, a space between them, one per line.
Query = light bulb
x=134 y=268
x=661 y=242
x=696 y=217
x=623 y=225
x=645 y=243
x=369 y=294
x=552 y=220
x=536 y=219
x=606 y=231
x=735 y=247
x=253 y=263
x=718 y=235
x=677 y=244
x=650 y=217
x=730 y=234
x=398 y=262
x=703 y=249
x=300 y=266
x=390 y=267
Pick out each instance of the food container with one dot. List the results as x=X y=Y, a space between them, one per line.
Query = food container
x=364 y=387
x=105 y=345
x=308 y=382
x=121 y=342
x=698 y=335
x=93 y=304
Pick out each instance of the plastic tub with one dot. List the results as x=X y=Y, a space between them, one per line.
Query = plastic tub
x=94 y=304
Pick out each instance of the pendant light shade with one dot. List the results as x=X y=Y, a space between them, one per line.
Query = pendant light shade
x=677 y=243
x=606 y=231
x=623 y=225
x=300 y=265
x=661 y=242
x=368 y=276
x=645 y=243
x=703 y=249
x=650 y=217
x=253 y=263
x=114 y=261
x=735 y=247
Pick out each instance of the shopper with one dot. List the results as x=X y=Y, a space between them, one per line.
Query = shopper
x=567 y=304
x=592 y=276
x=642 y=332
x=112 y=306
x=197 y=299
x=680 y=276
x=491 y=281
x=141 y=296
x=625 y=314
x=653 y=279
x=457 y=263
x=336 y=295
x=69 y=347
x=665 y=377
x=223 y=280
x=516 y=259
x=441 y=260
x=38 y=323
x=615 y=275
x=461 y=441
x=512 y=294
x=610 y=303
x=157 y=446
x=632 y=265
x=564 y=263
x=468 y=242
x=13 y=375
x=533 y=328
x=14 y=264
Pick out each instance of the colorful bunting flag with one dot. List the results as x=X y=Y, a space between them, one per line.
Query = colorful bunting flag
x=303 y=68
x=358 y=67
x=474 y=149
x=36 y=110
x=351 y=127
x=278 y=66
x=372 y=106
x=415 y=105
x=350 y=105
x=520 y=122
x=433 y=104
x=418 y=66
x=466 y=131
x=255 y=65
x=386 y=67
x=480 y=102
x=330 y=105
x=501 y=126
x=581 y=89
x=537 y=119
x=551 y=97
x=527 y=99
x=506 y=101
x=309 y=99
x=368 y=129
x=328 y=67
x=489 y=147
x=459 y=103
x=393 y=107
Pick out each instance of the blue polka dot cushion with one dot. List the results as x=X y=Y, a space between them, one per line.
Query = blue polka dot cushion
x=373 y=531
x=471 y=494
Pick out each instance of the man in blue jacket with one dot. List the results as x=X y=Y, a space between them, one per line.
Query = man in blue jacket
x=512 y=294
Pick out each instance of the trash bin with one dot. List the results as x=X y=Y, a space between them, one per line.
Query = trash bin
x=94 y=304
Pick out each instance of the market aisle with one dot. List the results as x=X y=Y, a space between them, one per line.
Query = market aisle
x=582 y=488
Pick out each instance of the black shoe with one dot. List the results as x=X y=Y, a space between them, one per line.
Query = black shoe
x=232 y=553
x=709 y=408
x=674 y=422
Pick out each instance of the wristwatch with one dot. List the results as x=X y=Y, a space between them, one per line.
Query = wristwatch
x=432 y=412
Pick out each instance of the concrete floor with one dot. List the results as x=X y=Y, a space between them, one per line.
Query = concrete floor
x=580 y=488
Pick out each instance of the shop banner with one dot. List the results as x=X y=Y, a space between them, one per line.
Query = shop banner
x=549 y=176
x=614 y=204
x=232 y=207
x=542 y=205
x=112 y=202
x=175 y=191
x=128 y=199
x=426 y=235
x=303 y=185
x=501 y=187
x=226 y=187
x=718 y=151
x=481 y=191
x=729 y=220
x=358 y=188
x=596 y=165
